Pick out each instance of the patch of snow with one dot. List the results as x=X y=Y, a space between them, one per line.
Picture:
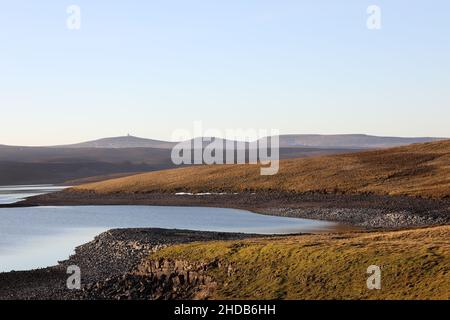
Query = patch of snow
x=202 y=193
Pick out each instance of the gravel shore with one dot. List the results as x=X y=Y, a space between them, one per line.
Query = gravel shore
x=111 y=255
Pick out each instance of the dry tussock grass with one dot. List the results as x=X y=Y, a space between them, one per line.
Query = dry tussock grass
x=415 y=265
x=416 y=170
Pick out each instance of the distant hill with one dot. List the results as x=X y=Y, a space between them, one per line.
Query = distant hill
x=128 y=154
x=343 y=141
x=122 y=142
x=415 y=170
x=358 y=141
x=60 y=155
x=42 y=165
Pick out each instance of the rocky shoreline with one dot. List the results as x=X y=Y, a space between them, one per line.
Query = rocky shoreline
x=367 y=218
x=112 y=268
x=366 y=211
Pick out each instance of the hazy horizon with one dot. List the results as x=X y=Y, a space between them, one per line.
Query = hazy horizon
x=150 y=68
x=222 y=137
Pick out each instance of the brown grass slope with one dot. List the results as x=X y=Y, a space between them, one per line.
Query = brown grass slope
x=416 y=170
x=415 y=264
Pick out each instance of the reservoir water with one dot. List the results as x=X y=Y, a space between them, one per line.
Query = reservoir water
x=12 y=194
x=37 y=237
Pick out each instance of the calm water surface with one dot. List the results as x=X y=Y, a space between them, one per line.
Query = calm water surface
x=37 y=237
x=12 y=194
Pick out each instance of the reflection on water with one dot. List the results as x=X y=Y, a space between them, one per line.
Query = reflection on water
x=40 y=236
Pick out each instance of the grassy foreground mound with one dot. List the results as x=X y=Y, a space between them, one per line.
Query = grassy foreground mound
x=415 y=265
x=416 y=170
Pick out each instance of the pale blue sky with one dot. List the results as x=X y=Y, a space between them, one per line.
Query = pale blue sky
x=149 y=67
